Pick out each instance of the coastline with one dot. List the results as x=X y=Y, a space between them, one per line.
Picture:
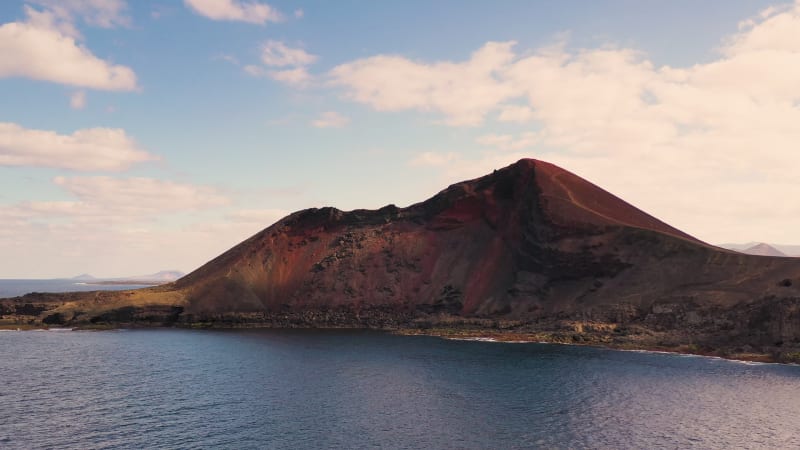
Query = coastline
x=510 y=337
x=477 y=335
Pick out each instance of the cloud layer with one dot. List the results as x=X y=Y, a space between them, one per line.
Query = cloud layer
x=235 y=10
x=99 y=13
x=90 y=149
x=286 y=64
x=113 y=226
x=136 y=196
x=464 y=92
x=331 y=119
x=46 y=48
x=77 y=100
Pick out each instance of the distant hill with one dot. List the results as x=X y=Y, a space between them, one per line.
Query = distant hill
x=164 y=276
x=83 y=277
x=764 y=249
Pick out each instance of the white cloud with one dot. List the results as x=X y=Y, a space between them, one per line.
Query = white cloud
x=292 y=60
x=711 y=148
x=45 y=48
x=464 y=92
x=109 y=200
x=298 y=77
x=51 y=250
x=255 y=71
x=235 y=10
x=772 y=29
x=515 y=113
x=259 y=217
x=432 y=159
x=77 y=100
x=527 y=140
x=227 y=58
x=86 y=149
x=331 y=119
x=134 y=196
x=160 y=11
x=456 y=167
x=278 y=54
x=117 y=227
x=47 y=19
x=299 y=13
x=100 y=13
x=62 y=249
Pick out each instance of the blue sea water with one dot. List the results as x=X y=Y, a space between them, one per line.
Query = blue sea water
x=13 y=288
x=351 y=389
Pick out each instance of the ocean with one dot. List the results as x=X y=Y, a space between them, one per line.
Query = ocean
x=13 y=288
x=171 y=388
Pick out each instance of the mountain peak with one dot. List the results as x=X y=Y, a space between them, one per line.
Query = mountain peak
x=763 y=249
x=83 y=277
x=565 y=199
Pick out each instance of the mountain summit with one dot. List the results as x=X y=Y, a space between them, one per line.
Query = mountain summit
x=763 y=249
x=530 y=248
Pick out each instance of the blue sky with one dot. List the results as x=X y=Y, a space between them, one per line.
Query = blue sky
x=146 y=135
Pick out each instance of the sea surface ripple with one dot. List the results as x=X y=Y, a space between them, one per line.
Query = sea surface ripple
x=351 y=389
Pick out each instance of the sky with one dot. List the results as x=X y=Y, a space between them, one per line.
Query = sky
x=138 y=136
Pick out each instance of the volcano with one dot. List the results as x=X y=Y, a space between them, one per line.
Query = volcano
x=530 y=249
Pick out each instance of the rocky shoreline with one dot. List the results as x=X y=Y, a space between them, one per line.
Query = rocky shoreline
x=604 y=335
x=772 y=357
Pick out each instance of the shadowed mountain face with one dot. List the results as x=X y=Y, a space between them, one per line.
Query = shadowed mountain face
x=530 y=245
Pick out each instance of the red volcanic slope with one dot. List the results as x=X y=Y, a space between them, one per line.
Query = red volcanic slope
x=570 y=199
x=492 y=243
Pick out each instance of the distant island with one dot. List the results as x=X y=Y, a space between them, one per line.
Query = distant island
x=124 y=282
x=155 y=279
x=530 y=252
x=764 y=249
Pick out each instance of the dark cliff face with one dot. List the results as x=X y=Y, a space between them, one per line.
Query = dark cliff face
x=528 y=244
